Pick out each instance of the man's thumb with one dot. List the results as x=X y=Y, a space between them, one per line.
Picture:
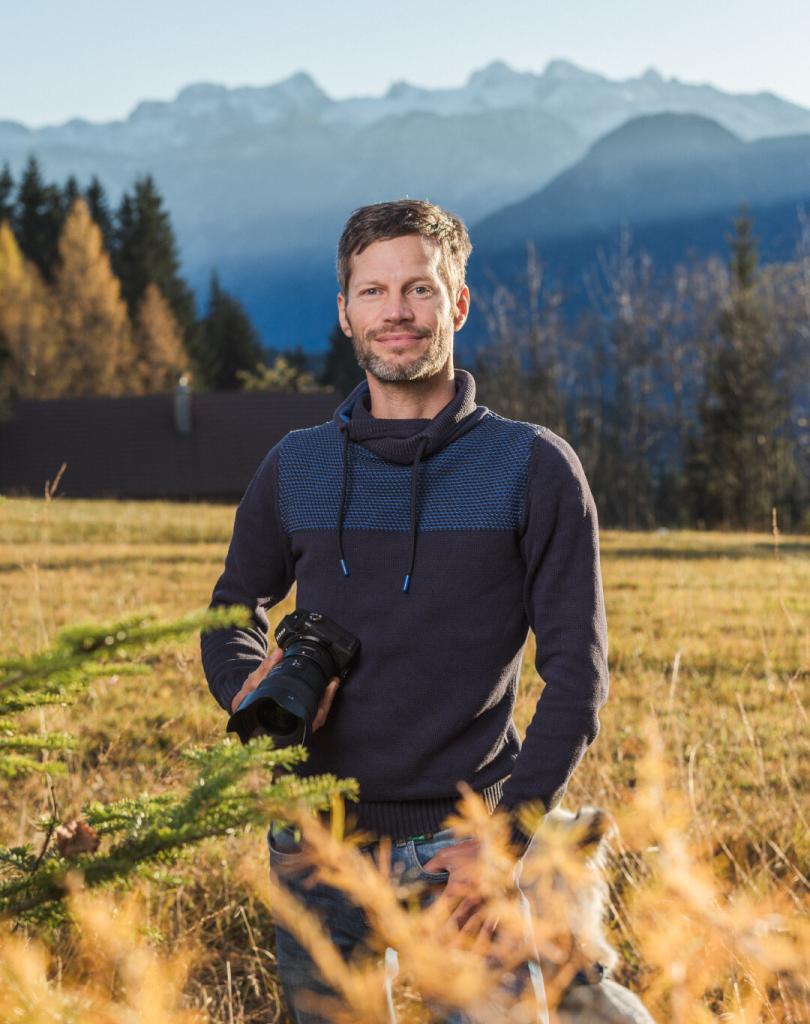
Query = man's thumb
x=272 y=659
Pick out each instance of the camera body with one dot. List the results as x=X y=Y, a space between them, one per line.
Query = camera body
x=284 y=703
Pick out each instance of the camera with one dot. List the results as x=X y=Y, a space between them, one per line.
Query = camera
x=284 y=703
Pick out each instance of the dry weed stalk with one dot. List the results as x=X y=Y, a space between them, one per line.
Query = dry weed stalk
x=117 y=977
x=708 y=951
x=700 y=938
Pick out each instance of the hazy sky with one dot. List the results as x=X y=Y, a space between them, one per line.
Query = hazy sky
x=96 y=58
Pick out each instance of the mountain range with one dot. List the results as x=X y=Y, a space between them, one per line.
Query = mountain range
x=260 y=179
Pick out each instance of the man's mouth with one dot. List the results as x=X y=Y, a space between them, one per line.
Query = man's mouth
x=397 y=337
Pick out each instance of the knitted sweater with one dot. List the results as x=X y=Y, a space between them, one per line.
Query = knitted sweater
x=439 y=544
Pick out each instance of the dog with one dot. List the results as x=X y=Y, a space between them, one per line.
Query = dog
x=591 y=996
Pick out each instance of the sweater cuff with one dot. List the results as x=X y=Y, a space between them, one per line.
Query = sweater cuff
x=519 y=838
x=227 y=689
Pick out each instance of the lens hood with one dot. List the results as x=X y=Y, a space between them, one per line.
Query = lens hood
x=277 y=704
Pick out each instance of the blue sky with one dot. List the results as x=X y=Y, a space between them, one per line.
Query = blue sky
x=97 y=58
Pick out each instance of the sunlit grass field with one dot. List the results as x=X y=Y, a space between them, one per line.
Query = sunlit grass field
x=709 y=635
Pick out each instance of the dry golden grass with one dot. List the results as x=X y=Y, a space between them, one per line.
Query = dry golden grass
x=709 y=639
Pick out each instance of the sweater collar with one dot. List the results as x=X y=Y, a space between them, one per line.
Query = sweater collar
x=398 y=440
x=404 y=442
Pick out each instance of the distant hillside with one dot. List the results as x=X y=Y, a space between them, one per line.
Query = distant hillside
x=651 y=169
x=260 y=179
x=676 y=181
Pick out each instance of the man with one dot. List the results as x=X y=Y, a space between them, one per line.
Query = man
x=438 y=533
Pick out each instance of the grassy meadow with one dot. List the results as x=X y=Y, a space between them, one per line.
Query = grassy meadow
x=709 y=639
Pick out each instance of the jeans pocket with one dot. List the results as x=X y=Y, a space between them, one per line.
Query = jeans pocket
x=286 y=853
x=423 y=851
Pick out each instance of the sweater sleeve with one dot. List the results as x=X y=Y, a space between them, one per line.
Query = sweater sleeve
x=565 y=608
x=259 y=571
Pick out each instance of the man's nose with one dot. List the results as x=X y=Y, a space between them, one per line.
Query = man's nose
x=397 y=308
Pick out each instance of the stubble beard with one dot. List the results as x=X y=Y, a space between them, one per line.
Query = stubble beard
x=428 y=364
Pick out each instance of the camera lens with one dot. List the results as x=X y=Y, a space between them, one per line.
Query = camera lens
x=285 y=702
x=275 y=720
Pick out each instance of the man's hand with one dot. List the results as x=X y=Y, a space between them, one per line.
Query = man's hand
x=461 y=862
x=259 y=674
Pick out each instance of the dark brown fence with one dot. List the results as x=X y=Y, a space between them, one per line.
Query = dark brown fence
x=180 y=445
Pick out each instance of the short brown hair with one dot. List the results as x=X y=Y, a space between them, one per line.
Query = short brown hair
x=406 y=217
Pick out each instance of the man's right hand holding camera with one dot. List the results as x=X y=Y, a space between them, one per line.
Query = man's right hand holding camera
x=262 y=671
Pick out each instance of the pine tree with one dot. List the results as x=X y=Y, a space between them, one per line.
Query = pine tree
x=735 y=468
x=98 y=351
x=161 y=356
x=145 y=250
x=6 y=194
x=70 y=193
x=228 y=342
x=29 y=331
x=340 y=370
x=39 y=217
x=98 y=204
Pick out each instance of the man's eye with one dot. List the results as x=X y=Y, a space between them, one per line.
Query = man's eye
x=369 y=291
x=422 y=289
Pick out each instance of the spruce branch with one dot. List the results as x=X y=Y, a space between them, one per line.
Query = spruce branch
x=236 y=787
x=63 y=668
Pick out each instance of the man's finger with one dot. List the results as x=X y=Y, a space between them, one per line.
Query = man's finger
x=273 y=659
x=467 y=908
x=326 y=703
x=436 y=863
x=256 y=676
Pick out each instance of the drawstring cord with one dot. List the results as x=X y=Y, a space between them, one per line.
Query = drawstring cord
x=341 y=556
x=414 y=478
x=344 y=493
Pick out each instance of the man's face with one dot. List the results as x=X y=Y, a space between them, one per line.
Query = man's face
x=398 y=311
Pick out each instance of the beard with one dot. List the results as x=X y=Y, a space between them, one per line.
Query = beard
x=392 y=368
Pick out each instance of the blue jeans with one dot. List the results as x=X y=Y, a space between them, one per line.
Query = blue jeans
x=347 y=925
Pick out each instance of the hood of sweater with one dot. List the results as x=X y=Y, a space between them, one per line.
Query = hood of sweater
x=402 y=441
x=399 y=440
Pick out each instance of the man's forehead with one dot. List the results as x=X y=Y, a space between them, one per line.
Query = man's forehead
x=406 y=253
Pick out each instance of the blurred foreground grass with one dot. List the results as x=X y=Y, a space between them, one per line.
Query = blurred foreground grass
x=709 y=634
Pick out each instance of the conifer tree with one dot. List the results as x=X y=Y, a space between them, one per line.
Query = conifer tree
x=145 y=250
x=96 y=198
x=29 y=331
x=228 y=342
x=6 y=194
x=98 y=355
x=70 y=192
x=39 y=216
x=743 y=414
x=340 y=370
x=160 y=354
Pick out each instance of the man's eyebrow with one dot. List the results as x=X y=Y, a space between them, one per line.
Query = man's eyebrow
x=373 y=282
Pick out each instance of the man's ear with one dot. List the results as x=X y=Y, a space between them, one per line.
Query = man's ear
x=462 y=308
x=345 y=326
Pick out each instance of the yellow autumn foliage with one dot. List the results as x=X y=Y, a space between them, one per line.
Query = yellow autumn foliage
x=159 y=352
x=98 y=354
x=30 y=332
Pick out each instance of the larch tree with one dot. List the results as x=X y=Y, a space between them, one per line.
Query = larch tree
x=98 y=354
x=29 y=332
x=160 y=354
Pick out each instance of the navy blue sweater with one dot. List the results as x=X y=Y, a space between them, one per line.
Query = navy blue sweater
x=439 y=544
